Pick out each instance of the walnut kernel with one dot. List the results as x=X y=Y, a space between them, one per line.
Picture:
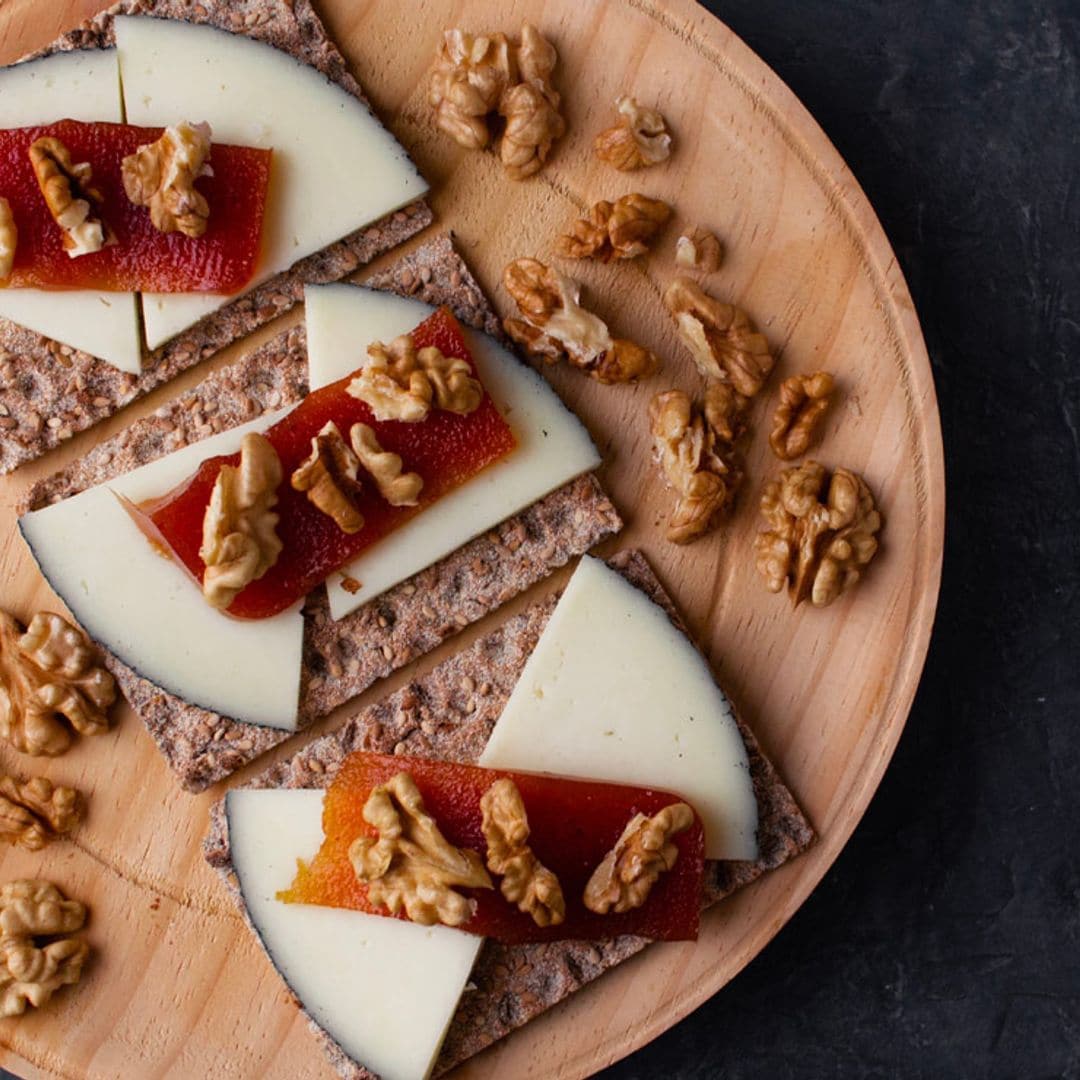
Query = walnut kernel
x=619 y=230
x=75 y=205
x=161 y=175
x=240 y=541
x=803 y=401
x=625 y=878
x=531 y=108
x=821 y=535
x=328 y=477
x=699 y=250
x=468 y=79
x=640 y=137
x=526 y=882
x=9 y=239
x=30 y=975
x=48 y=674
x=411 y=864
x=396 y=487
x=34 y=813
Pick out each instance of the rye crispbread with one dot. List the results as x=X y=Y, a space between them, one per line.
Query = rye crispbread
x=341 y=658
x=448 y=714
x=48 y=391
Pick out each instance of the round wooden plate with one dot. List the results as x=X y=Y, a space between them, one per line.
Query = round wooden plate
x=177 y=986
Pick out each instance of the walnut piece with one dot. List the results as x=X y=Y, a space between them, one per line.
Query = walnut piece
x=696 y=449
x=556 y=325
x=30 y=975
x=239 y=541
x=803 y=401
x=526 y=882
x=699 y=249
x=34 y=813
x=161 y=175
x=531 y=108
x=467 y=81
x=821 y=535
x=400 y=382
x=75 y=205
x=396 y=487
x=412 y=865
x=625 y=878
x=48 y=674
x=619 y=230
x=9 y=239
x=720 y=338
x=328 y=478
x=639 y=138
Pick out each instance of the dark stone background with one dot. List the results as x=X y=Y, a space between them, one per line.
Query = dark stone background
x=945 y=942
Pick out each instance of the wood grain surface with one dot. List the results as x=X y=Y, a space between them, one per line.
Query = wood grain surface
x=177 y=987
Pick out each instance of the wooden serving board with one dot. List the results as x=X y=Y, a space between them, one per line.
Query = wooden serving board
x=177 y=986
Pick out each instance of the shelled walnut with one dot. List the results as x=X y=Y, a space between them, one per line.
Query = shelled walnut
x=161 y=176
x=803 y=401
x=328 y=478
x=412 y=865
x=526 y=882
x=699 y=249
x=34 y=813
x=9 y=239
x=74 y=205
x=696 y=447
x=619 y=230
x=822 y=533
x=29 y=974
x=625 y=878
x=50 y=674
x=639 y=138
x=239 y=540
x=556 y=325
x=720 y=338
x=531 y=109
x=398 y=488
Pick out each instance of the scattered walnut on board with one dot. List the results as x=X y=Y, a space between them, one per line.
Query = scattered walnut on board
x=240 y=541
x=9 y=239
x=821 y=535
x=802 y=405
x=161 y=176
x=397 y=487
x=695 y=446
x=625 y=878
x=328 y=477
x=32 y=910
x=34 y=812
x=50 y=674
x=619 y=230
x=412 y=865
x=531 y=109
x=639 y=138
x=699 y=250
x=554 y=325
x=526 y=882
x=74 y=205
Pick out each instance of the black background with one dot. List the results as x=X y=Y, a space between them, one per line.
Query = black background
x=945 y=942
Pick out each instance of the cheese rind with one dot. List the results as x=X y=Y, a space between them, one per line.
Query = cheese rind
x=613 y=691
x=384 y=989
x=553 y=445
x=147 y=610
x=335 y=168
x=80 y=85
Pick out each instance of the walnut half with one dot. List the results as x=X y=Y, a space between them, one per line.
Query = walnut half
x=398 y=488
x=29 y=974
x=554 y=324
x=412 y=865
x=75 y=205
x=640 y=137
x=803 y=401
x=619 y=230
x=531 y=108
x=625 y=878
x=48 y=674
x=34 y=813
x=822 y=533
x=161 y=176
x=9 y=239
x=700 y=250
x=328 y=478
x=526 y=882
x=467 y=81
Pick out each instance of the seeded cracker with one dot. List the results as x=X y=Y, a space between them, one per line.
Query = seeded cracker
x=42 y=380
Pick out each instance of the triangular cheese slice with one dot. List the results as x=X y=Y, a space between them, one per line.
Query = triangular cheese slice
x=335 y=167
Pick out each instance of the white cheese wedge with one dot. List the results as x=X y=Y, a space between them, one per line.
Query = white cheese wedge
x=613 y=691
x=81 y=85
x=149 y=612
x=385 y=990
x=335 y=167
x=553 y=445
